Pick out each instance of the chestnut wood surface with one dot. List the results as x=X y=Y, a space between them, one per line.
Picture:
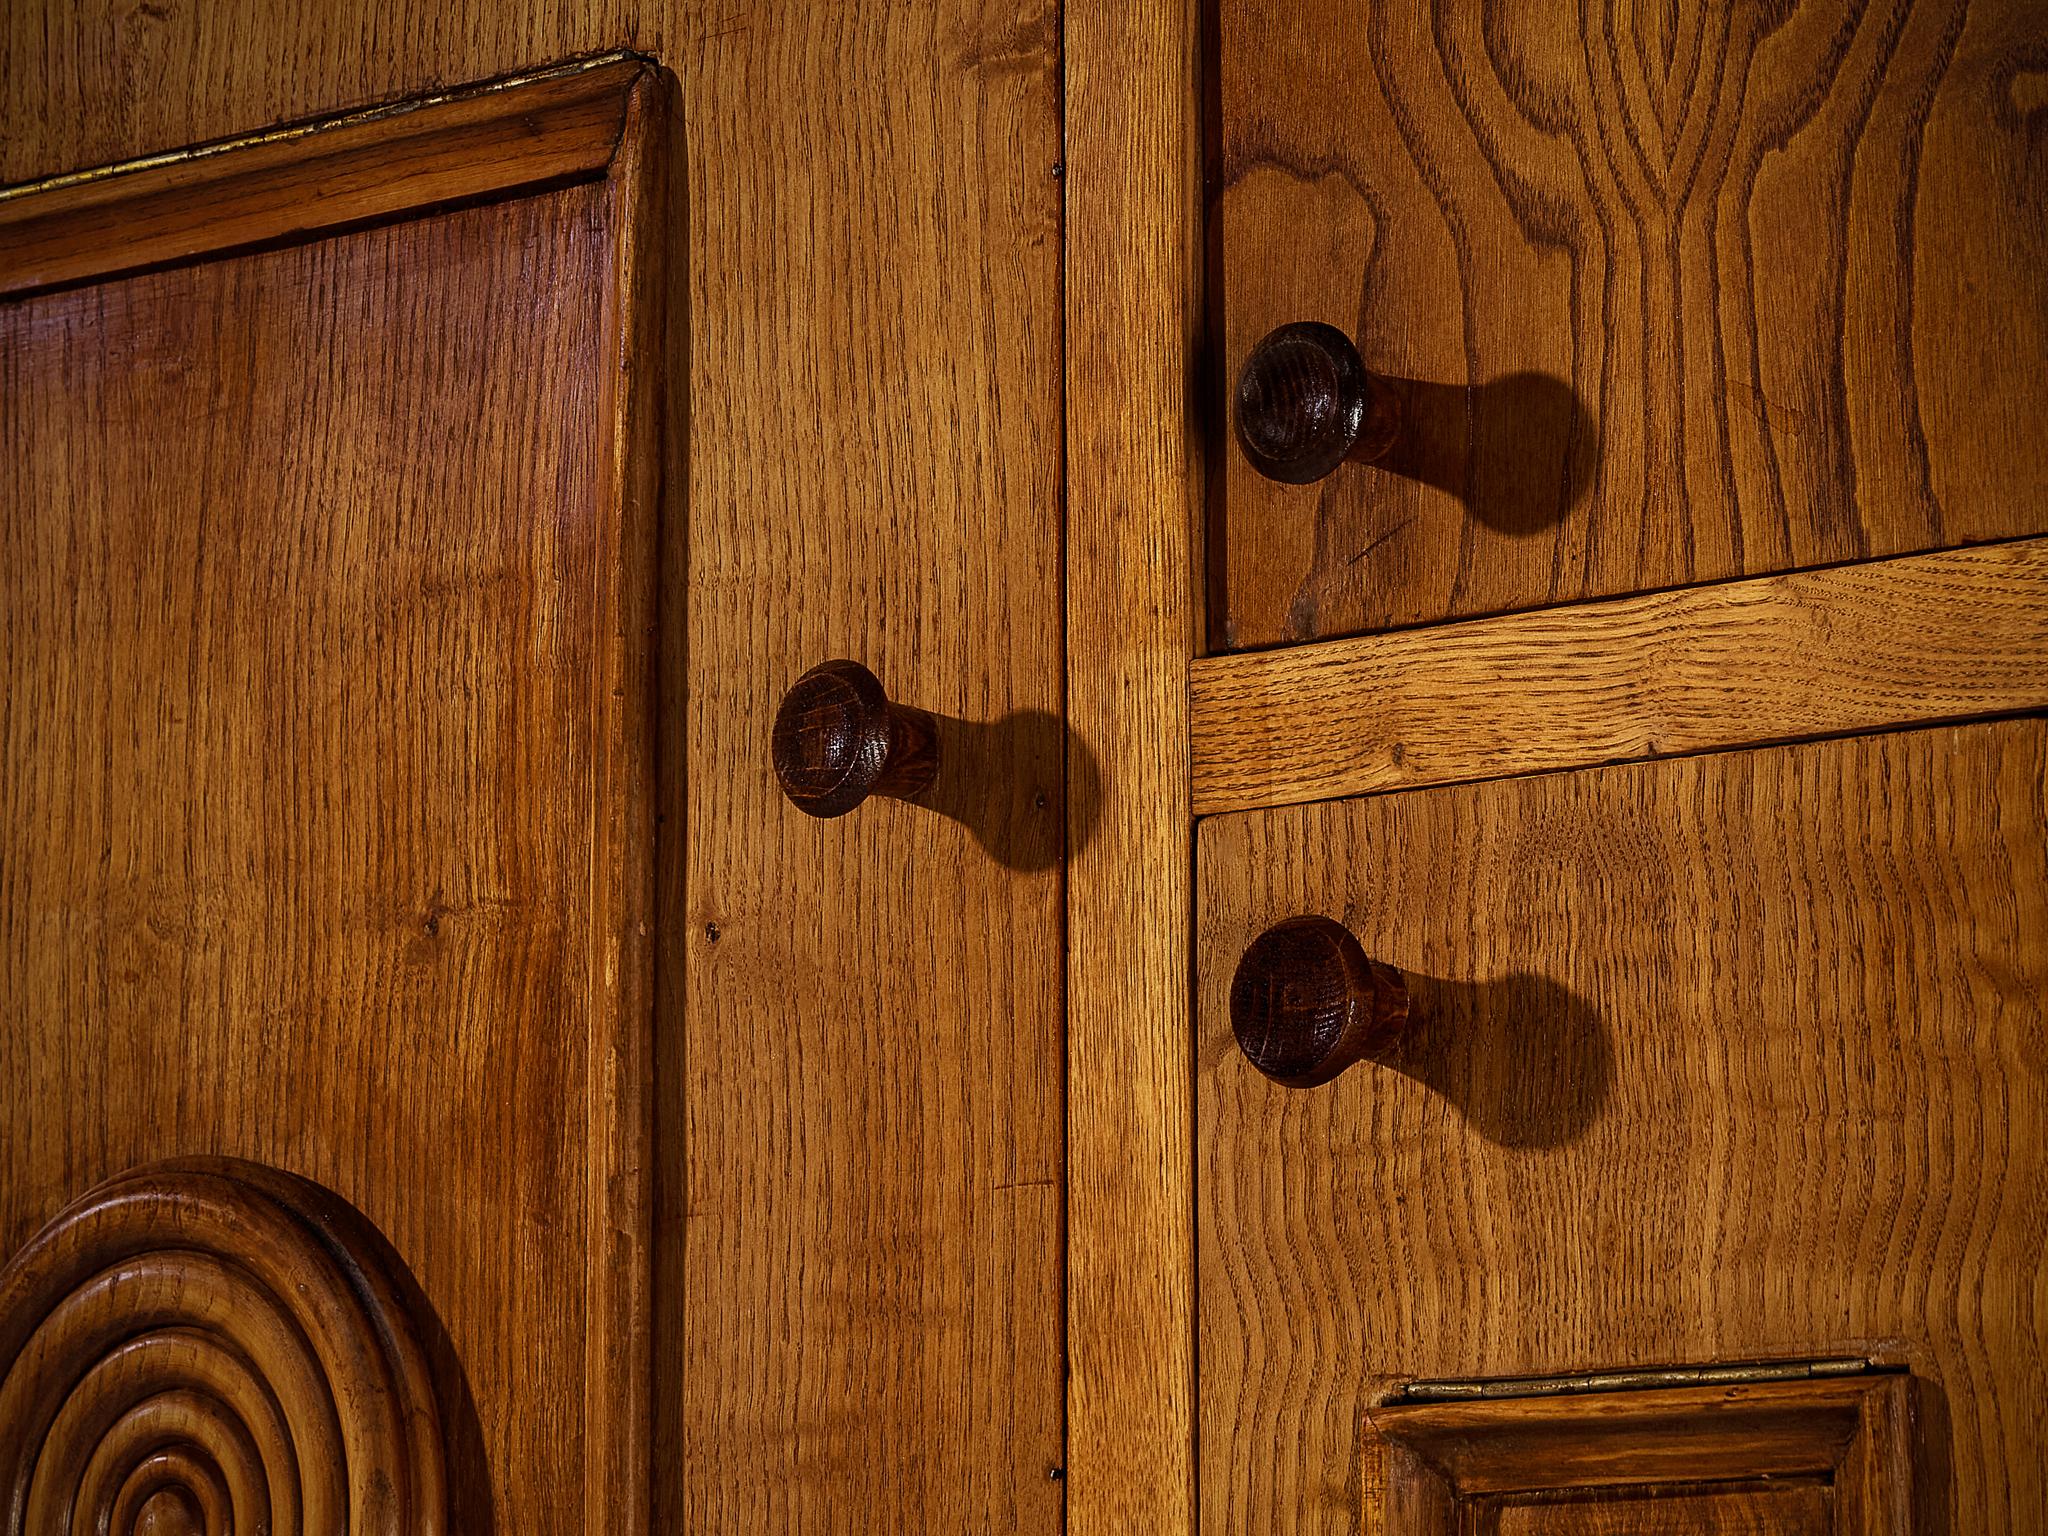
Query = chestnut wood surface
x=859 y=1210
x=1675 y=292
x=1730 y=1057
x=1913 y=640
x=326 y=669
x=1134 y=475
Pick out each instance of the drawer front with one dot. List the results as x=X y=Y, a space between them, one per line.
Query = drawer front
x=1722 y=1059
x=1663 y=294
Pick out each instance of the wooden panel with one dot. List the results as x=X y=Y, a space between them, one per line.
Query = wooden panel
x=1855 y=648
x=859 y=1185
x=1729 y=1057
x=324 y=671
x=1819 y=1456
x=1677 y=292
x=1133 y=467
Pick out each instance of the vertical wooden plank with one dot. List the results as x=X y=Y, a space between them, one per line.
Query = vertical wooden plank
x=1133 y=485
x=871 y=1264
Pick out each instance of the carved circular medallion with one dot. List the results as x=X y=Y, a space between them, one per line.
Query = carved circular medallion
x=213 y=1346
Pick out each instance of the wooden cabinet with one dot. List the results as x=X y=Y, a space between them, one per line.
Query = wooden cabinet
x=645 y=708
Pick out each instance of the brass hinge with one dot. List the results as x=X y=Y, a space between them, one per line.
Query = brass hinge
x=1631 y=1381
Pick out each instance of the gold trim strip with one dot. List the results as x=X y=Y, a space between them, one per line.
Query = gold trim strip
x=1631 y=1381
x=306 y=127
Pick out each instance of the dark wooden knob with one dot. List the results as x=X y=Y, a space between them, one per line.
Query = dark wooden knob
x=838 y=740
x=1305 y=404
x=1306 y=1002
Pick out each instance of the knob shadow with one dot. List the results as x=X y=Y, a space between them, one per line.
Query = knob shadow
x=1009 y=783
x=1526 y=1060
x=1519 y=451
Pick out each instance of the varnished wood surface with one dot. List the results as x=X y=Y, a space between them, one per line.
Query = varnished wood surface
x=859 y=1181
x=1829 y=1457
x=1855 y=648
x=1680 y=292
x=565 y=124
x=220 y=1336
x=1729 y=1057
x=1133 y=305
x=327 y=656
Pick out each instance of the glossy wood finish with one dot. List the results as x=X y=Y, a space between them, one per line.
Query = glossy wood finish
x=1306 y=1002
x=221 y=1340
x=1730 y=1057
x=326 y=687
x=858 y=1220
x=1855 y=648
x=838 y=740
x=1672 y=293
x=1829 y=1458
x=1134 y=474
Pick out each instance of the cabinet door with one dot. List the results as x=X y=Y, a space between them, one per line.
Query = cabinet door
x=1731 y=1061
x=1664 y=293
x=327 y=644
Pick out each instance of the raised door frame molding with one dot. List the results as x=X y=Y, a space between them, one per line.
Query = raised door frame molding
x=612 y=120
x=576 y=122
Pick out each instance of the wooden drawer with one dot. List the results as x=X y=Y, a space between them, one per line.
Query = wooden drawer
x=1730 y=1058
x=1665 y=294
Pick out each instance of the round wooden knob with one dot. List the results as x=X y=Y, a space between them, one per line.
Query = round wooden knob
x=1306 y=1002
x=838 y=740
x=1305 y=404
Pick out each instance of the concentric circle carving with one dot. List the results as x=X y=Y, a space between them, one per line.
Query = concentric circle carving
x=213 y=1347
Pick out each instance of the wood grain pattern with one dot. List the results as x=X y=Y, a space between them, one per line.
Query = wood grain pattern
x=858 y=1277
x=1679 y=292
x=244 y=1322
x=1723 y=1058
x=1830 y=1458
x=560 y=125
x=1856 y=648
x=325 y=674
x=1134 y=315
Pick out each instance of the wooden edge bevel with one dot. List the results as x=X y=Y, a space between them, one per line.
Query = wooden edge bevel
x=1914 y=640
x=638 y=604
x=1853 y=1434
x=554 y=126
x=1134 y=321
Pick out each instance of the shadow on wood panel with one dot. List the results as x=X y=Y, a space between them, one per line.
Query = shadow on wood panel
x=1526 y=1060
x=1003 y=781
x=1519 y=452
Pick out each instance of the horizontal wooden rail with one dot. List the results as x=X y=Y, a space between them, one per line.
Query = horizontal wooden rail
x=1815 y=653
x=562 y=124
